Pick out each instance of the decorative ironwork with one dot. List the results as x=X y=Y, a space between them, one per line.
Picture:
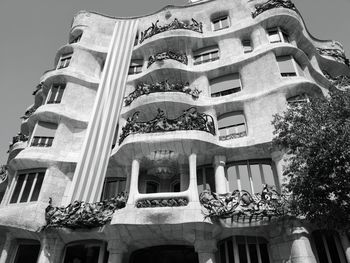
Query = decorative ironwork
x=341 y=82
x=261 y=8
x=233 y=136
x=166 y=202
x=241 y=206
x=39 y=87
x=3 y=173
x=191 y=119
x=163 y=86
x=167 y=55
x=84 y=215
x=337 y=54
x=19 y=138
x=29 y=113
x=154 y=29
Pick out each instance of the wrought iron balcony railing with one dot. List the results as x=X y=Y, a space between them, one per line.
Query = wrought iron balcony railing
x=163 y=86
x=341 y=82
x=233 y=136
x=164 y=202
x=19 y=138
x=84 y=215
x=241 y=206
x=182 y=58
x=29 y=113
x=154 y=29
x=191 y=119
x=3 y=173
x=337 y=54
x=261 y=8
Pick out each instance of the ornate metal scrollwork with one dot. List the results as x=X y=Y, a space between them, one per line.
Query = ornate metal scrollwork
x=166 y=202
x=337 y=54
x=233 y=136
x=168 y=55
x=241 y=206
x=84 y=215
x=191 y=119
x=341 y=82
x=29 y=113
x=39 y=87
x=163 y=86
x=3 y=173
x=261 y=8
x=154 y=29
x=19 y=138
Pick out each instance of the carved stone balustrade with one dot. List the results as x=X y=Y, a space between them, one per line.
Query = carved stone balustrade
x=241 y=206
x=164 y=86
x=166 y=202
x=191 y=119
x=3 y=173
x=182 y=58
x=341 y=82
x=337 y=54
x=261 y=8
x=29 y=113
x=84 y=215
x=19 y=138
x=233 y=136
x=176 y=24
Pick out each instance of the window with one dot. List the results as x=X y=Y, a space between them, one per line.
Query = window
x=89 y=252
x=76 y=39
x=152 y=187
x=27 y=251
x=135 y=67
x=243 y=249
x=206 y=55
x=225 y=85
x=205 y=178
x=26 y=187
x=175 y=186
x=112 y=187
x=44 y=133
x=136 y=39
x=56 y=93
x=295 y=100
x=231 y=125
x=247 y=46
x=250 y=175
x=328 y=247
x=64 y=61
x=277 y=35
x=288 y=66
x=220 y=23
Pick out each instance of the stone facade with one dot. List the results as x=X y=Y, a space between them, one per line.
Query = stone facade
x=204 y=81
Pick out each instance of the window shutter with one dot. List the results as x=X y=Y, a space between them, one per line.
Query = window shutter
x=224 y=83
x=230 y=119
x=45 y=129
x=285 y=63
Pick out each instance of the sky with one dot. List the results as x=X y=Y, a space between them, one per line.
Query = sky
x=33 y=30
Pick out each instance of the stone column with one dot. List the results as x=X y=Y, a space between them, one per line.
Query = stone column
x=116 y=249
x=345 y=242
x=206 y=251
x=134 y=181
x=220 y=178
x=301 y=251
x=6 y=249
x=51 y=250
x=193 y=178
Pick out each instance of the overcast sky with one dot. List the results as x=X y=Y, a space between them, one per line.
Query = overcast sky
x=33 y=30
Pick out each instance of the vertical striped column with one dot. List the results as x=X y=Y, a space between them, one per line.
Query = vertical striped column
x=91 y=169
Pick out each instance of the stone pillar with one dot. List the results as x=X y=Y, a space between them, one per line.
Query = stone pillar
x=345 y=242
x=220 y=178
x=193 y=178
x=51 y=250
x=6 y=249
x=301 y=251
x=206 y=251
x=116 y=249
x=134 y=181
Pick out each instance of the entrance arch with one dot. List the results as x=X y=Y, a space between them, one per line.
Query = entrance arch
x=165 y=254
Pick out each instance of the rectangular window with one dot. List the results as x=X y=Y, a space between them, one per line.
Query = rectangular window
x=276 y=35
x=205 y=179
x=135 y=67
x=56 y=93
x=230 y=125
x=112 y=187
x=247 y=46
x=206 y=55
x=27 y=187
x=220 y=23
x=225 y=85
x=287 y=66
x=44 y=134
x=27 y=251
x=64 y=61
x=301 y=98
x=76 y=39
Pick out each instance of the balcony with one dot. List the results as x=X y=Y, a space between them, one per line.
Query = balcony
x=271 y=4
x=17 y=142
x=337 y=54
x=180 y=57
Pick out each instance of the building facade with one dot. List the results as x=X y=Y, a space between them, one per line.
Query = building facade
x=150 y=140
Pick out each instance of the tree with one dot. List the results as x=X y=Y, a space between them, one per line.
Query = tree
x=316 y=138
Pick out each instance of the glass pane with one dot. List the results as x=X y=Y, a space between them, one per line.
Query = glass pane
x=215 y=55
x=268 y=175
x=198 y=60
x=122 y=186
x=49 y=142
x=242 y=253
x=18 y=188
x=151 y=188
x=274 y=36
x=231 y=257
x=264 y=253
x=27 y=253
x=222 y=253
x=321 y=250
x=37 y=187
x=253 y=253
x=110 y=189
x=60 y=94
x=256 y=176
x=285 y=37
x=27 y=187
x=200 y=185
x=333 y=251
x=216 y=25
x=224 y=22
x=52 y=95
x=205 y=57
x=232 y=178
x=35 y=141
x=82 y=254
x=243 y=172
x=210 y=178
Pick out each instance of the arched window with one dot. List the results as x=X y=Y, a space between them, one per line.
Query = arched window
x=328 y=247
x=243 y=249
x=231 y=125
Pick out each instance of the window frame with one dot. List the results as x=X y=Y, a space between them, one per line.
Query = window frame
x=201 y=53
x=111 y=180
x=64 y=58
x=235 y=113
x=295 y=66
x=20 y=242
x=135 y=69
x=220 y=19
x=60 y=87
x=30 y=142
x=335 y=238
x=244 y=46
x=228 y=91
x=205 y=182
x=102 y=252
x=282 y=34
x=30 y=195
